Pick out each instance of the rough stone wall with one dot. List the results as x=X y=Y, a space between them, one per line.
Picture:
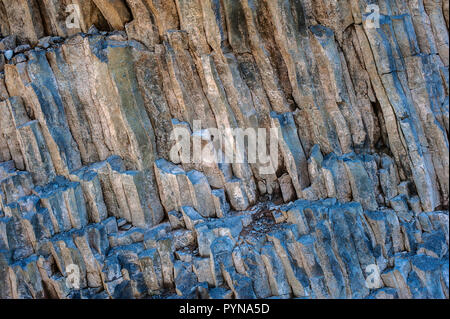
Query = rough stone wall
x=362 y=176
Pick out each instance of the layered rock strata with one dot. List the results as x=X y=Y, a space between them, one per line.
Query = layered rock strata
x=92 y=90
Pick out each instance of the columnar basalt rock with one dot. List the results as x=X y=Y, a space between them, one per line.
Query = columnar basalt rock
x=355 y=204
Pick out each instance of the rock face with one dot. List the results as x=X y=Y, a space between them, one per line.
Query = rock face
x=93 y=204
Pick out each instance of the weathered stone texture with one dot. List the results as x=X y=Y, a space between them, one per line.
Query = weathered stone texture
x=91 y=90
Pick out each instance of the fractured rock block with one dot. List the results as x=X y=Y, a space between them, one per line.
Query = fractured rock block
x=143 y=201
x=236 y=194
x=253 y=266
x=93 y=269
x=9 y=135
x=14 y=187
x=27 y=282
x=221 y=258
x=191 y=217
x=209 y=231
x=166 y=177
x=304 y=250
x=202 y=269
x=328 y=262
x=335 y=178
x=433 y=245
x=20 y=241
x=183 y=238
x=292 y=150
x=400 y=206
x=277 y=277
x=115 y=12
x=388 y=177
x=66 y=204
x=287 y=190
x=346 y=250
x=297 y=217
x=362 y=187
x=203 y=198
x=241 y=286
x=220 y=293
x=220 y=202
x=92 y=190
x=185 y=279
x=36 y=155
x=24 y=20
x=294 y=274
x=151 y=268
x=165 y=251
x=428 y=271
x=127 y=238
x=176 y=219
x=154 y=234
x=49 y=111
